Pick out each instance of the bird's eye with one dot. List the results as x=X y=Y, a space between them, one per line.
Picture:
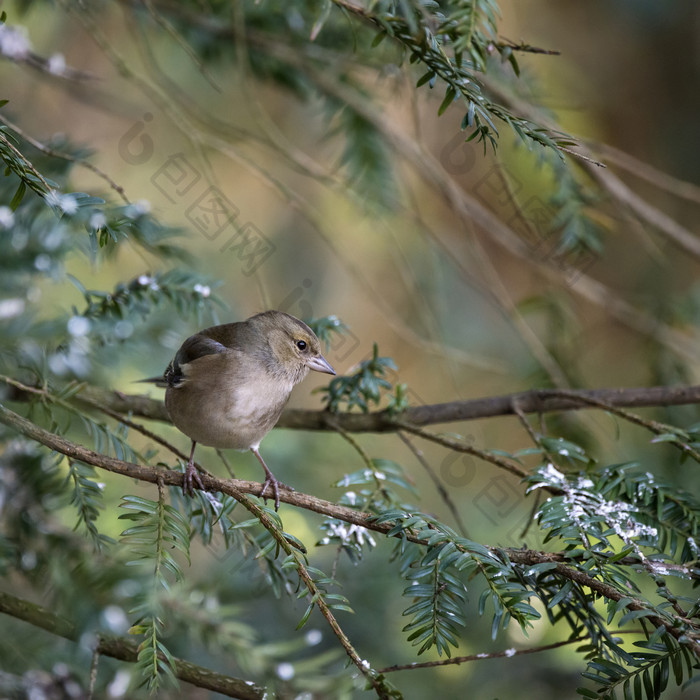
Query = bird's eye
x=301 y=344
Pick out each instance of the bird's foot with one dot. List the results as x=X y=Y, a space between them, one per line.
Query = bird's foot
x=270 y=480
x=191 y=478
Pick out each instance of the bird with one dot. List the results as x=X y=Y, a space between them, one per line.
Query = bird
x=227 y=384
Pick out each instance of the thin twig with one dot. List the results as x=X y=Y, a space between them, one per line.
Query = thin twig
x=52 y=152
x=143 y=430
x=532 y=515
x=612 y=185
x=494 y=654
x=651 y=425
x=418 y=454
x=523 y=420
x=456 y=660
x=44 y=393
x=180 y=40
x=535 y=438
x=462 y=202
x=94 y=664
x=227 y=464
x=645 y=171
x=268 y=523
x=163 y=477
x=463 y=447
x=27 y=163
x=355 y=445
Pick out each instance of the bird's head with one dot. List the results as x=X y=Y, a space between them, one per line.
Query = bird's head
x=294 y=347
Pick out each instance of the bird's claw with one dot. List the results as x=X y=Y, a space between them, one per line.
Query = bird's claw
x=191 y=478
x=271 y=481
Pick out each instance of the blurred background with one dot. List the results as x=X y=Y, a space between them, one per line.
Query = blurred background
x=230 y=125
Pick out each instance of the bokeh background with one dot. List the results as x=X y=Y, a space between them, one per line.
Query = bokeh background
x=371 y=238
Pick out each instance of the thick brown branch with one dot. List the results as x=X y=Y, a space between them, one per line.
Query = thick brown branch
x=126 y=649
x=532 y=401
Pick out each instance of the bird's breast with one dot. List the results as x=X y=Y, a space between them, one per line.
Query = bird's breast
x=225 y=412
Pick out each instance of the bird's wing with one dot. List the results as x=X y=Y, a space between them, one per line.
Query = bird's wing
x=192 y=349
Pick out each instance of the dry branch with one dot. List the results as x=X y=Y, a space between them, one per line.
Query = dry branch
x=126 y=649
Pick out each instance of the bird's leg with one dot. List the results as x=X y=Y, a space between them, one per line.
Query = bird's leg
x=191 y=475
x=270 y=480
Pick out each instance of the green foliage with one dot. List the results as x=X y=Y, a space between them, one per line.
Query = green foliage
x=260 y=544
x=311 y=583
x=40 y=239
x=326 y=327
x=377 y=484
x=185 y=292
x=398 y=401
x=209 y=516
x=29 y=476
x=87 y=500
x=17 y=163
x=444 y=561
x=647 y=674
x=54 y=403
x=610 y=516
x=604 y=508
x=111 y=225
x=156 y=529
x=365 y=157
x=454 y=43
x=361 y=389
x=580 y=234
x=321 y=584
x=369 y=490
x=567 y=227
x=439 y=599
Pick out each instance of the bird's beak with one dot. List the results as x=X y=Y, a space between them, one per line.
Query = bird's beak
x=320 y=364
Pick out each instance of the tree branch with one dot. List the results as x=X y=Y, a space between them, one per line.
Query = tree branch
x=531 y=401
x=651 y=425
x=235 y=488
x=456 y=660
x=126 y=649
x=53 y=153
x=611 y=593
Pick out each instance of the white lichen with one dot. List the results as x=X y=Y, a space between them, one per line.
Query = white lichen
x=14 y=42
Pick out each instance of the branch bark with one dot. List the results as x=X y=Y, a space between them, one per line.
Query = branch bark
x=126 y=649
x=456 y=660
x=532 y=401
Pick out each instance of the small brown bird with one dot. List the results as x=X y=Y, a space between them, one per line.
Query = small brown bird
x=227 y=385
